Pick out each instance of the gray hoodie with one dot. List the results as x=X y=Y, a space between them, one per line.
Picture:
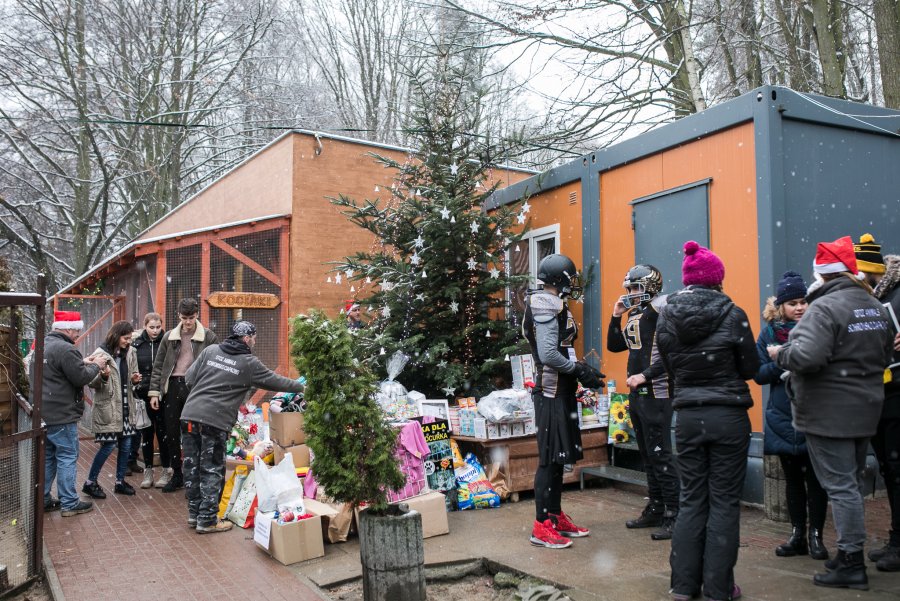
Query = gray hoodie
x=219 y=382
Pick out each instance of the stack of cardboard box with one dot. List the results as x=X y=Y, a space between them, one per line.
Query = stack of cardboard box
x=286 y=432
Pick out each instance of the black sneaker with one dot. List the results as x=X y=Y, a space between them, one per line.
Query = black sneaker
x=82 y=507
x=665 y=529
x=876 y=554
x=124 y=488
x=175 y=483
x=52 y=505
x=890 y=561
x=93 y=490
x=133 y=467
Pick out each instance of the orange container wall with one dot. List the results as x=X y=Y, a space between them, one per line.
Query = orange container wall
x=728 y=158
x=552 y=207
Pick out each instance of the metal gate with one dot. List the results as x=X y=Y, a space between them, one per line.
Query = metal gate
x=21 y=448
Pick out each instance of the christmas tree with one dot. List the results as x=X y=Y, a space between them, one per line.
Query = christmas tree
x=436 y=279
x=353 y=447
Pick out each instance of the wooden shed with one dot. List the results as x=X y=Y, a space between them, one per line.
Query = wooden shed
x=255 y=244
x=759 y=179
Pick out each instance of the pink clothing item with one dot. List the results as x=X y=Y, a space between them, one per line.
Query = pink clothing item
x=701 y=266
x=411 y=453
x=185 y=355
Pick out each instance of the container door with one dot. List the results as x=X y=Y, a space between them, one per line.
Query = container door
x=663 y=222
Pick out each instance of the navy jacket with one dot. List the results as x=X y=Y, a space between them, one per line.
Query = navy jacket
x=780 y=436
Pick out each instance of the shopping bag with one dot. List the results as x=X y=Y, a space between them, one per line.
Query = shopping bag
x=232 y=489
x=244 y=508
x=278 y=485
x=620 y=426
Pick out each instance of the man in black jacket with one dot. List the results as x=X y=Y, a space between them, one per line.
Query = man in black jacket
x=65 y=374
x=886 y=441
x=649 y=403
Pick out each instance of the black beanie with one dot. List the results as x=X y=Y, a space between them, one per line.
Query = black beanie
x=790 y=287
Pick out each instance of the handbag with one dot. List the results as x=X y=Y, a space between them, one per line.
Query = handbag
x=141 y=418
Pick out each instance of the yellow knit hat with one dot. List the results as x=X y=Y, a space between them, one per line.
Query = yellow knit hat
x=868 y=255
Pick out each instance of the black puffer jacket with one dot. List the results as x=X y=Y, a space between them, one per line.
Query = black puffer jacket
x=708 y=348
x=146 y=350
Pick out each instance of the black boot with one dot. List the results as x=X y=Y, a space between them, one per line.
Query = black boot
x=850 y=572
x=651 y=517
x=890 y=561
x=795 y=545
x=817 y=548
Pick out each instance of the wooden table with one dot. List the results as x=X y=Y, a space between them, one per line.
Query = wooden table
x=518 y=457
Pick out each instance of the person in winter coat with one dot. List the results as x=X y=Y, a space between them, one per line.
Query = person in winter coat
x=709 y=351
x=112 y=420
x=886 y=441
x=146 y=347
x=219 y=381
x=802 y=488
x=64 y=375
x=550 y=329
x=836 y=355
x=178 y=350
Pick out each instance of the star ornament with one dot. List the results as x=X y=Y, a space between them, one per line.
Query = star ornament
x=420 y=241
x=472 y=264
x=454 y=169
x=449 y=390
x=445 y=213
x=495 y=273
x=521 y=218
x=415 y=259
x=454 y=306
x=474 y=227
x=526 y=207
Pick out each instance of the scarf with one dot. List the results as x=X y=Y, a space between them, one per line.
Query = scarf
x=781 y=330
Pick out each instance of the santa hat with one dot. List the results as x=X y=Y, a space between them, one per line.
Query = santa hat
x=835 y=257
x=350 y=306
x=67 y=320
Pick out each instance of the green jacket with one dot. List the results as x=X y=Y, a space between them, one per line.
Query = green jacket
x=169 y=347
x=107 y=413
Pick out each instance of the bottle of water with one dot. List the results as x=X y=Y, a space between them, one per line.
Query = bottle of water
x=611 y=387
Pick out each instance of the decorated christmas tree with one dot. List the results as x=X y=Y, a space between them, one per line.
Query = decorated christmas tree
x=436 y=278
x=353 y=447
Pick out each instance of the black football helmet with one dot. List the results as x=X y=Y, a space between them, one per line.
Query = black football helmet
x=559 y=271
x=647 y=279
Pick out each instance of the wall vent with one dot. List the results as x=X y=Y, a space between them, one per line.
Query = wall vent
x=573 y=198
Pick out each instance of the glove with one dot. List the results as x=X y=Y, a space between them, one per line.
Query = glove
x=590 y=377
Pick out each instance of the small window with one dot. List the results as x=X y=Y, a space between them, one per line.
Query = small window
x=523 y=258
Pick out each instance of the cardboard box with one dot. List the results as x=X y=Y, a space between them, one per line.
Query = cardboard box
x=300 y=454
x=493 y=430
x=324 y=511
x=434 y=513
x=522 y=370
x=286 y=429
x=505 y=431
x=295 y=541
x=479 y=428
x=518 y=429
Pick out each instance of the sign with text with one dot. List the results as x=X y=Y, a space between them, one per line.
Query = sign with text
x=439 y=463
x=243 y=300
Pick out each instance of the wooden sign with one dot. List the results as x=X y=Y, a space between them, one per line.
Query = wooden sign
x=243 y=300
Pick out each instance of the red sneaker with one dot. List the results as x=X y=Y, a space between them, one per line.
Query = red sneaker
x=566 y=528
x=545 y=535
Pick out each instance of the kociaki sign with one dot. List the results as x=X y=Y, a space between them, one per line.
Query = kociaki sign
x=243 y=300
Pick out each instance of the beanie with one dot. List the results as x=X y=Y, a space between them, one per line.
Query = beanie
x=790 y=287
x=868 y=255
x=701 y=266
x=835 y=257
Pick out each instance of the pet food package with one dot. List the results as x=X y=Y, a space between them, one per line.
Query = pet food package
x=474 y=490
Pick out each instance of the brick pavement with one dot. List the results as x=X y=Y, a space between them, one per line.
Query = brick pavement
x=140 y=547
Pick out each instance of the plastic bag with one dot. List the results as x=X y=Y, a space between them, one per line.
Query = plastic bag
x=278 y=486
x=506 y=405
x=392 y=396
x=474 y=490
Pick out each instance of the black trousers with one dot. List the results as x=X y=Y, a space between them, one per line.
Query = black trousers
x=886 y=443
x=712 y=462
x=803 y=491
x=652 y=420
x=158 y=428
x=548 y=483
x=204 y=470
x=172 y=405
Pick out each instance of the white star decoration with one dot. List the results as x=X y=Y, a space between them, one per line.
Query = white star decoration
x=474 y=227
x=442 y=364
x=386 y=312
x=453 y=169
x=420 y=242
x=454 y=306
x=521 y=218
x=415 y=260
x=420 y=297
x=337 y=279
x=349 y=273
x=445 y=213
x=471 y=264
x=506 y=242
x=449 y=390
x=526 y=207
x=495 y=273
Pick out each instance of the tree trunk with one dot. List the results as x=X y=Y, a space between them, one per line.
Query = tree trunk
x=887 y=26
x=828 y=39
x=392 y=551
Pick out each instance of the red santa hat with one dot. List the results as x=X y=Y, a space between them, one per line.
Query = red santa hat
x=67 y=320
x=350 y=306
x=835 y=257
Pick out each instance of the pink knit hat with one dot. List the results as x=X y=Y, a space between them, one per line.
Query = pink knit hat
x=701 y=266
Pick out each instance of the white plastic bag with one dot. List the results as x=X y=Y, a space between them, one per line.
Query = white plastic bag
x=278 y=485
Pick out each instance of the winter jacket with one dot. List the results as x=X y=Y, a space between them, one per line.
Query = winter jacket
x=169 y=348
x=836 y=355
x=888 y=291
x=146 y=351
x=220 y=379
x=708 y=348
x=64 y=376
x=107 y=413
x=780 y=436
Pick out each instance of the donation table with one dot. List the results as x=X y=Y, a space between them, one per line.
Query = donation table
x=518 y=457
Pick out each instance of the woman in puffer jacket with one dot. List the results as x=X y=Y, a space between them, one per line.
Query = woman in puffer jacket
x=709 y=352
x=112 y=421
x=802 y=488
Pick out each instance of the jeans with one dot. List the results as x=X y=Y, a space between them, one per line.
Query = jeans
x=712 y=446
x=652 y=419
x=204 y=470
x=172 y=405
x=839 y=465
x=60 y=459
x=106 y=448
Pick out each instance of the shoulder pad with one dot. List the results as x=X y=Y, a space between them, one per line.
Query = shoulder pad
x=545 y=307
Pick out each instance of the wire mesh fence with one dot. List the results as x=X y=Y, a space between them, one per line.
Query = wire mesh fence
x=17 y=509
